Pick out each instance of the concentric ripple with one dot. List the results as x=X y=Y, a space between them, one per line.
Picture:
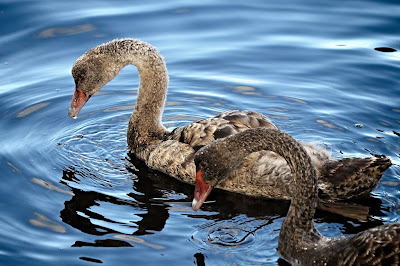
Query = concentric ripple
x=227 y=234
x=237 y=237
x=96 y=148
x=70 y=195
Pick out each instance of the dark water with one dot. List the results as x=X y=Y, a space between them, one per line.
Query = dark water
x=324 y=71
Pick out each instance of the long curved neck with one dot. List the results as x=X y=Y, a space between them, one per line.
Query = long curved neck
x=153 y=85
x=298 y=222
x=145 y=123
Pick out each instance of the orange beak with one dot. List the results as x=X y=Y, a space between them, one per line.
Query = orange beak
x=78 y=101
x=201 y=191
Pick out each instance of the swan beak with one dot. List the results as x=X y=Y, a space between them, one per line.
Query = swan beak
x=201 y=192
x=78 y=101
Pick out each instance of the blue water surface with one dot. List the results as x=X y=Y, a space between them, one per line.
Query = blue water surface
x=71 y=195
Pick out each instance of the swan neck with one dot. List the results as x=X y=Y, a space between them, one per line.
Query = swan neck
x=299 y=220
x=145 y=122
x=298 y=232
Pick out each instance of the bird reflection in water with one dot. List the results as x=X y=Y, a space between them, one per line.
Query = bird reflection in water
x=150 y=202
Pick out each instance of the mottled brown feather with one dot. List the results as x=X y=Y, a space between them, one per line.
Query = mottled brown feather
x=299 y=242
x=351 y=177
x=261 y=174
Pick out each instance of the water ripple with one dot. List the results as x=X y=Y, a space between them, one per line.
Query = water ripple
x=237 y=238
x=322 y=71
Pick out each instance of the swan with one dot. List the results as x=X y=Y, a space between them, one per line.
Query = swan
x=264 y=174
x=299 y=241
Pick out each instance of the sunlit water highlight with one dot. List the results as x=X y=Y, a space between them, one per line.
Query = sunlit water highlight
x=72 y=195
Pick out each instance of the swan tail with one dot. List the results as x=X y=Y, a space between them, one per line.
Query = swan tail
x=351 y=178
x=349 y=210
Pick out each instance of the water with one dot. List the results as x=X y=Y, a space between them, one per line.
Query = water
x=71 y=195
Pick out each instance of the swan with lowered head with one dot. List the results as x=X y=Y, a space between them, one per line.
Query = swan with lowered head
x=264 y=174
x=299 y=241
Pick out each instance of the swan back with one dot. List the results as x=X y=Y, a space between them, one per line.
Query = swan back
x=218 y=159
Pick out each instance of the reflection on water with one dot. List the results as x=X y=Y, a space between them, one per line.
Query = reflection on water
x=327 y=124
x=42 y=221
x=53 y=32
x=32 y=109
x=72 y=195
x=385 y=49
x=234 y=221
x=238 y=227
x=78 y=213
x=50 y=186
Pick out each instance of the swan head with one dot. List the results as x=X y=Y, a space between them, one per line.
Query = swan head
x=91 y=72
x=214 y=163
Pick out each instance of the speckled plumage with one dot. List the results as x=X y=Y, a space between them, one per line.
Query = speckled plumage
x=299 y=242
x=261 y=174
